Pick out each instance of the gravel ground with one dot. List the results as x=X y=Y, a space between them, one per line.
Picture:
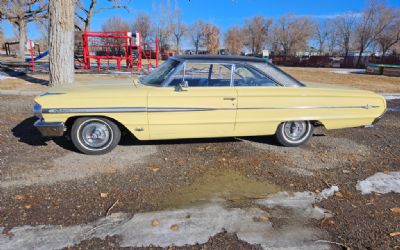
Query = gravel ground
x=46 y=182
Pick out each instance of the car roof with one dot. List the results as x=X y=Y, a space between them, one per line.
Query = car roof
x=218 y=58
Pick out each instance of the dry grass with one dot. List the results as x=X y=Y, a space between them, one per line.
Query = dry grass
x=381 y=84
x=38 y=82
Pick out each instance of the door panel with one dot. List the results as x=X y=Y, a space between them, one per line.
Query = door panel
x=195 y=112
x=262 y=109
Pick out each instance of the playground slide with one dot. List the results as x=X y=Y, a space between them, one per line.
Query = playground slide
x=46 y=53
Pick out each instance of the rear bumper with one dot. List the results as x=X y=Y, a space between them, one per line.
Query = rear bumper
x=50 y=129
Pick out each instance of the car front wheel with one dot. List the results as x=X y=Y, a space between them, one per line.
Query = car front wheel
x=294 y=133
x=95 y=136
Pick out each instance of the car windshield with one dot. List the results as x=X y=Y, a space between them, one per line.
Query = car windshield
x=277 y=74
x=158 y=76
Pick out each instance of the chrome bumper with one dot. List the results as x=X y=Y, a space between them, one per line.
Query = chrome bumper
x=50 y=129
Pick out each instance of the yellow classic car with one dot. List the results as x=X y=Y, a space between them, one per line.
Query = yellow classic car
x=200 y=97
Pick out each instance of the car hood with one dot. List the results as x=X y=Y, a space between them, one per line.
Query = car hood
x=98 y=89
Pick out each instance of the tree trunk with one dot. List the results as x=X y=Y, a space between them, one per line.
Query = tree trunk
x=22 y=39
x=359 y=58
x=90 y=15
x=61 y=41
x=197 y=47
x=384 y=50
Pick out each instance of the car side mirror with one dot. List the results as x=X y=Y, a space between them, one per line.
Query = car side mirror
x=182 y=86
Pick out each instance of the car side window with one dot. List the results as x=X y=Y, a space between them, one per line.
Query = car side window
x=247 y=76
x=204 y=75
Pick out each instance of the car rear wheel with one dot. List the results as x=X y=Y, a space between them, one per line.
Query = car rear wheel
x=95 y=136
x=294 y=133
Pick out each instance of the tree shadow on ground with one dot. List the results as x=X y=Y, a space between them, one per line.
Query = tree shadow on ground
x=22 y=75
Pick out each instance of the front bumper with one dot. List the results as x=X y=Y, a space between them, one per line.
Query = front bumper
x=50 y=129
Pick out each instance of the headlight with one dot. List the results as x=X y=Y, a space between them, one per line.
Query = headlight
x=37 y=110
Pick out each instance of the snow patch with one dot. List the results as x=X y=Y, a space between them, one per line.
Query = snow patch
x=393 y=109
x=392 y=97
x=381 y=183
x=186 y=227
x=347 y=72
x=4 y=76
x=302 y=202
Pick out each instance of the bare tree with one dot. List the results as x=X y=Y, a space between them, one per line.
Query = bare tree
x=163 y=22
x=321 y=35
x=211 y=38
x=196 y=34
x=115 y=23
x=179 y=29
x=20 y=13
x=376 y=18
x=256 y=30
x=293 y=33
x=332 y=39
x=390 y=35
x=43 y=28
x=142 y=24
x=234 y=40
x=345 y=28
x=61 y=41
x=1 y=34
x=396 y=48
x=85 y=10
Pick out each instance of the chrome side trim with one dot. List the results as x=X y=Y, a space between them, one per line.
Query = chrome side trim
x=143 y=109
x=320 y=107
x=182 y=109
x=93 y=110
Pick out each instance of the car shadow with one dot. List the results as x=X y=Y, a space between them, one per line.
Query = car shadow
x=129 y=140
x=28 y=134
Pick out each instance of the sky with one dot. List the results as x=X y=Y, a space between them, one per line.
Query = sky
x=225 y=13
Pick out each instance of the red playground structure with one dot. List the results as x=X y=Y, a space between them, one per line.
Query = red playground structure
x=119 y=46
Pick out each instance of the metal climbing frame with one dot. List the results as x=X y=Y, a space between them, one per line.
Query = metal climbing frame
x=111 y=45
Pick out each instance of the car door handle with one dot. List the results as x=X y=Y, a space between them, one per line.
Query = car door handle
x=229 y=99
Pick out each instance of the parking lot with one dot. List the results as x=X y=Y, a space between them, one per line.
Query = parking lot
x=237 y=193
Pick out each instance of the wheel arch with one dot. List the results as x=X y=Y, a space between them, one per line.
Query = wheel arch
x=124 y=130
x=315 y=123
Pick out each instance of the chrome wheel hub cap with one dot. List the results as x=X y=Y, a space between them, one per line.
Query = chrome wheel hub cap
x=95 y=134
x=295 y=130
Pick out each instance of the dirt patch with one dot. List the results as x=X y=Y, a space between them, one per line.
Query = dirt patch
x=324 y=152
x=75 y=166
x=223 y=240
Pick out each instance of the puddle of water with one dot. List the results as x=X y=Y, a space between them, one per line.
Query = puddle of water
x=218 y=184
